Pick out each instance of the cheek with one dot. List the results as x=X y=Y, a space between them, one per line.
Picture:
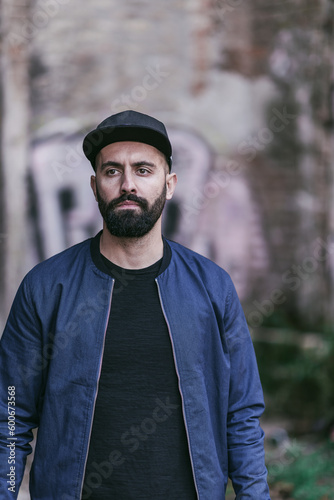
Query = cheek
x=159 y=190
x=106 y=188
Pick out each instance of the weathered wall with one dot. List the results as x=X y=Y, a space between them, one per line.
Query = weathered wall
x=14 y=141
x=250 y=81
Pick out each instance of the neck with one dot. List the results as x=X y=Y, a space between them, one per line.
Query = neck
x=133 y=253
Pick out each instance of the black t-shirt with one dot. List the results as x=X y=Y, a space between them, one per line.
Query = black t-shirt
x=138 y=447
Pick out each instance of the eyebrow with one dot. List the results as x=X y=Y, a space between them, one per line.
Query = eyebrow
x=141 y=163
x=110 y=164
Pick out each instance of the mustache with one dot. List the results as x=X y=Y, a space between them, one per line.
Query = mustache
x=128 y=197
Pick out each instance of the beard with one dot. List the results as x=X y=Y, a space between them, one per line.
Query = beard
x=131 y=223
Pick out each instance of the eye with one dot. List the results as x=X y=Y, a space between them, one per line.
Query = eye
x=111 y=171
x=143 y=170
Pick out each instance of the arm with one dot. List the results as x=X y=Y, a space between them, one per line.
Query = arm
x=20 y=387
x=244 y=435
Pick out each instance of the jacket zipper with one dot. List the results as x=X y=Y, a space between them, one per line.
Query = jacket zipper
x=178 y=376
x=97 y=383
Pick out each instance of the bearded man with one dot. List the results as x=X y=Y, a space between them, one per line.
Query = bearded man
x=130 y=353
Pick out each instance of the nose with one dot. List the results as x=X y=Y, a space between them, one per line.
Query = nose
x=127 y=182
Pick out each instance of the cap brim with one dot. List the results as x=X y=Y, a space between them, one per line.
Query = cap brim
x=101 y=137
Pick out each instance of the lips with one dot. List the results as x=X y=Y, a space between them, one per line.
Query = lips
x=127 y=204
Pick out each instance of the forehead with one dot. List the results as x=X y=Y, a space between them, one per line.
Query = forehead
x=130 y=151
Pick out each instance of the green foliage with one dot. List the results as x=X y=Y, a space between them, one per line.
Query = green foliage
x=280 y=319
x=297 y=382
x=311 y=474
x=230 y=495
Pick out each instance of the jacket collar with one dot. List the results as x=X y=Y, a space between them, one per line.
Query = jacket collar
x=100 y=264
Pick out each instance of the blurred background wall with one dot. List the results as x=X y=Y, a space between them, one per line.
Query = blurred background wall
x=246 y=90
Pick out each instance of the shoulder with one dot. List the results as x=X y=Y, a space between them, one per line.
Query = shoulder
x=61 y=264
x=200 y=277
x=196 y=262
x=63 y=276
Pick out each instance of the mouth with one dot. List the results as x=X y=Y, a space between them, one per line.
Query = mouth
x=127 y=204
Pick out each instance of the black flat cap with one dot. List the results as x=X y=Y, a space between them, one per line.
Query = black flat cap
x=128 y=126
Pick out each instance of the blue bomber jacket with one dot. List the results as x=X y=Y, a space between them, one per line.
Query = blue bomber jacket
x=50 y=361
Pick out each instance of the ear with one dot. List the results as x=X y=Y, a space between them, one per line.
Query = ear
x=93 y=185
x=171 y=181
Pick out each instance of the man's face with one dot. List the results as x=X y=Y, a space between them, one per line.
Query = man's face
x=131 y=186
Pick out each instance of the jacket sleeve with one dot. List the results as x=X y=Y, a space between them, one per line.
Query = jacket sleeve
x=21 y=374
x=244 y=435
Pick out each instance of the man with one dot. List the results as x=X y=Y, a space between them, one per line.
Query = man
x=130 y=353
